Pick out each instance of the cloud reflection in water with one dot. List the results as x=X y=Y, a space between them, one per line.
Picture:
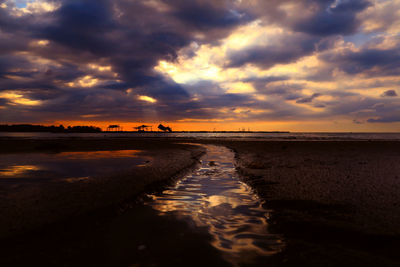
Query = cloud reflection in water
x=72 y=166
x=214 y=197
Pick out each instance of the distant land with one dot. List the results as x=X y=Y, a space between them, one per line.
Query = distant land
x=214 y=132
x=94 y=129
x=52 y=128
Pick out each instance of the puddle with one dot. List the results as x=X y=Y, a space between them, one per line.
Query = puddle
x=213 y=196
x=70 y=166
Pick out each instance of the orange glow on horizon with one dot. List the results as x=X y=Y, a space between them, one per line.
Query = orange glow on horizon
x=292 y=126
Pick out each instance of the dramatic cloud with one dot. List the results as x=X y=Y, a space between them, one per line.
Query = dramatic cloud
x=330 y=18
x=315 y=17
x=201 y=61
x=370 y=61
x=284 y=48
x=308 y=99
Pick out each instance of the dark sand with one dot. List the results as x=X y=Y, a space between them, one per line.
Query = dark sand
x=336 y=202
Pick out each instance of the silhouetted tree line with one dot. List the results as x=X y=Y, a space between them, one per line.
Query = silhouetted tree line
x=52 y=128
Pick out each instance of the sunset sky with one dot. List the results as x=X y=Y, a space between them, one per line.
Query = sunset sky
x=297 y=65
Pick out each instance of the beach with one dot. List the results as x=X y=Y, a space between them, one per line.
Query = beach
x=334 y=202
x=337 y=202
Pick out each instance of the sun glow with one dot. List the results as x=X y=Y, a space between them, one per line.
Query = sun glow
x=210 y=62
x=239 y=88
x=19 y=99
x=86 y=81
x=147 y=99
x=42 y=42
x=100 y=67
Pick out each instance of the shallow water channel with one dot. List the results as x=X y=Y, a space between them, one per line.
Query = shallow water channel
x=214 y=197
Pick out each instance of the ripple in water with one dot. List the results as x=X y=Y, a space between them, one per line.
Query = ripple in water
x=214 y=197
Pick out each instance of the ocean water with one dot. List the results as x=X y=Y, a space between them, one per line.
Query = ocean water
x=228 y=135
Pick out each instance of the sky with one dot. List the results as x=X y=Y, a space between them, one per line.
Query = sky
x=289 y=65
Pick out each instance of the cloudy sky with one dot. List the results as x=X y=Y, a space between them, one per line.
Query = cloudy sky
x=298 y=65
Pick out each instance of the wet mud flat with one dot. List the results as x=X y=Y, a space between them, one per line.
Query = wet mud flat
x=43 y=183
x=207 y=218
x=132 y=235
x=336 y=202
x=332 y=203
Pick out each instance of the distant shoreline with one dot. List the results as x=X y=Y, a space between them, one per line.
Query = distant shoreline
x=199 y=132
x=147 y=132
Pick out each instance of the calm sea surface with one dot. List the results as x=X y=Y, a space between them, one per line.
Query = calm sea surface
x=243 y=135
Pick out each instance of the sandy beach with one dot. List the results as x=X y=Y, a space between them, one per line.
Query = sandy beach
x=335 y=202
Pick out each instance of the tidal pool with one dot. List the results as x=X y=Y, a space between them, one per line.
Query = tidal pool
x=72 y=166
x=214 y=197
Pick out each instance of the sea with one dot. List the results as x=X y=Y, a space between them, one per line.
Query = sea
x=223 y=135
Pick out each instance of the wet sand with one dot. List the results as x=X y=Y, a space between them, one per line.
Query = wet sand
x=335 y=203
x=30 y=203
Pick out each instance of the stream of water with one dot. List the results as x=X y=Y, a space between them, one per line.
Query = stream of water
x=213 y=196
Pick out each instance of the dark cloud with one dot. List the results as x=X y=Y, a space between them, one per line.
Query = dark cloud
x=389 y=93
x=206 y=15
x=389 y=119
x=261 y=82
x=330 y=19
x=364 y=109
x=315 y=17
x=130 y=36
x=285 y=90
x=369 y=61
x=285 y=48
x=308 y=99
x=3 y=101
x=82 y=26
x=319 y=105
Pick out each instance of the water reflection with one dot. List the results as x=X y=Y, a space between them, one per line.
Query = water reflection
x=90 y=155
x=213 y=196
x=17 y=170
x=70 y=166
